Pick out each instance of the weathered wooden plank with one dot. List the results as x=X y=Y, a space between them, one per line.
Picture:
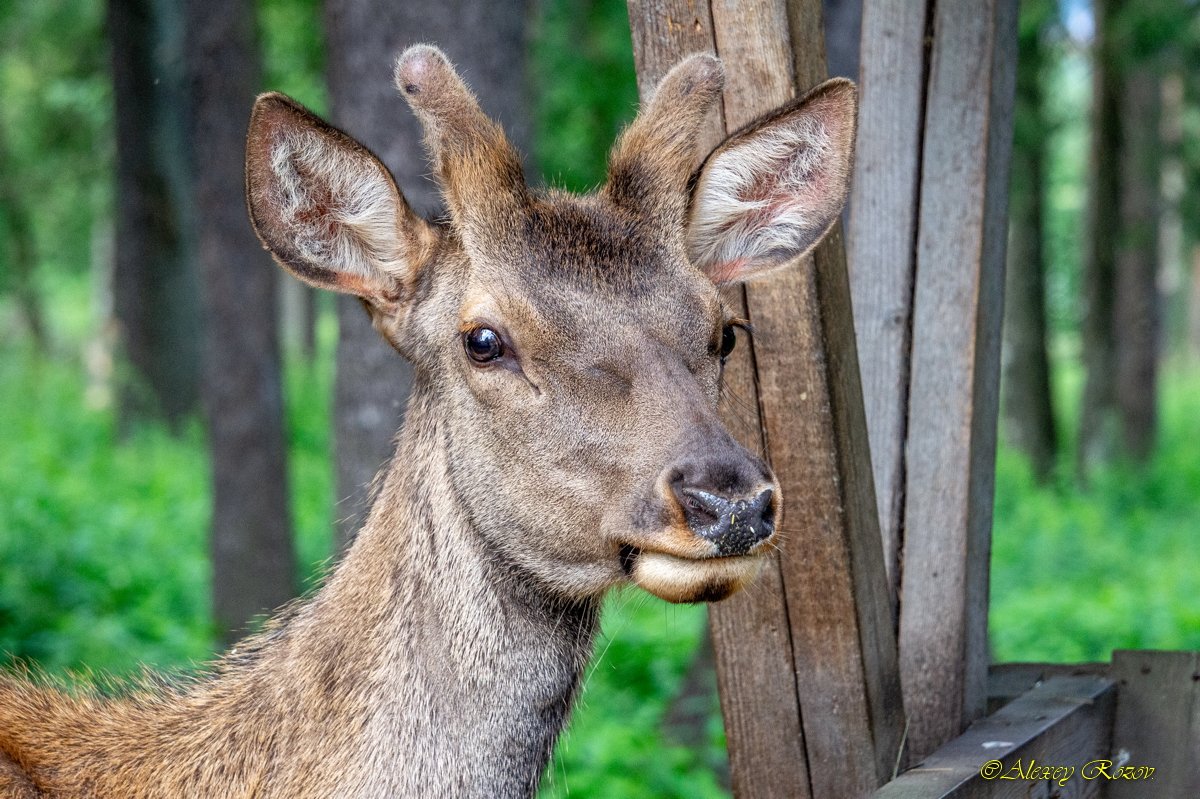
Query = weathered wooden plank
x=1157 y=723
x=957 y=310
x=881 y=242
x=1065 y=722
x=868 y=604
x=750 y=631
x=789 y=355
x=821 y=620
x=1007 y=681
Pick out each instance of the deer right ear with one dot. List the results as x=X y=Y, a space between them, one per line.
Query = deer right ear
x=326 y=208
x=772 y=190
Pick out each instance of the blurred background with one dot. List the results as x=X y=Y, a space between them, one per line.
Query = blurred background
x=185 y=434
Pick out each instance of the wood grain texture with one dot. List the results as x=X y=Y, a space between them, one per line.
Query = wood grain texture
x=1065 y=721
x=765 y=741
x=1007 y=681
x=957 y=310
x=857 y=504
x=1157 y=722
x=813 y=640
x=751 y=637
x=882 y=239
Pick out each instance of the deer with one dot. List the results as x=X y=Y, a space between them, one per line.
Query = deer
x=562 y=438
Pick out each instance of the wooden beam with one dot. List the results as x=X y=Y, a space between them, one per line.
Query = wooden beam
x=1157 y=722
x=1065 y=722
x=881 y=246
x=1007 y=681
x=955 y=366
x=806 y=659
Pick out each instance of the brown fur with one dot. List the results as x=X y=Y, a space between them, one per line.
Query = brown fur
x=442 y=655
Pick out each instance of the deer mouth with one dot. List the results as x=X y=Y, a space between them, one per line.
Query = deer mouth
x=683 y=579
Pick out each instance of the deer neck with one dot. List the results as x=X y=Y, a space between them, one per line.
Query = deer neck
x=462 y=671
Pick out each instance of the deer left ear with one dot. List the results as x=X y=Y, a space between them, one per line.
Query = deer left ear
x=771 y=191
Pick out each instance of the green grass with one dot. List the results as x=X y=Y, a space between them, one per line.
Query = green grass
x=1077 y=573
x=615 y=745
x=103 y=541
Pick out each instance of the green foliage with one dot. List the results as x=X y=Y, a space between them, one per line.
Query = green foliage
x=615 y=745
x=103 y=539
x=1079 y=572
x=103 y=543
x=308 y=393
x=581 y=68
x=55 y=138
x=290 y=34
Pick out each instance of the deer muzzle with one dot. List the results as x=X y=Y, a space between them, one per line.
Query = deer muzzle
x=722 y=508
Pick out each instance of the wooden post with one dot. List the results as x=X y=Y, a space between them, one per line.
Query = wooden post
x=928 y=218
x=881 y=244
x=958 y=305
x=1158 y=722
x=1065 y=721
x=806 y=658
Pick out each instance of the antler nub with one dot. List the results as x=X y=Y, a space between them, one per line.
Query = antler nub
x=478 y=169
x=652 y=161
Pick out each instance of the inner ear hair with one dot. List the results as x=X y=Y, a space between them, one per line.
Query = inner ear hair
x=325 y=207
x=772 y=190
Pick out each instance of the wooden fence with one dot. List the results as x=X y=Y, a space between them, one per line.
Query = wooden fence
x=863 y=651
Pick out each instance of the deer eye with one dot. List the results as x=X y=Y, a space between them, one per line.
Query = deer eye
x=728 y=341
x=483 y=344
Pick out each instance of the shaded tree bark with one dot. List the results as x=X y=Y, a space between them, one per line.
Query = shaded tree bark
x=1136 y=311
x=486 y=42
x=154 y=279
x=251 y=538
x=1120 y=397
x=18 y=248
x=1098 y=419
x=1028 y=401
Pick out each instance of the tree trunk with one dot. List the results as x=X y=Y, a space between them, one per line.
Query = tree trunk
x=253 y=560
x=17 y=248
x=1028 y=404
x=154 y=280
x=1098 y=419
x=1136 y=312
x=486 y=41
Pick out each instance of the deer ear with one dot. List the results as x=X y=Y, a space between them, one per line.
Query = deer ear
x=325 y=207
x=771 y=191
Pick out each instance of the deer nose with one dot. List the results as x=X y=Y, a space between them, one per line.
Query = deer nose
x=734 y=524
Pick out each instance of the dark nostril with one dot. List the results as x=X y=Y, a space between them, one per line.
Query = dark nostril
x=765 y=507
x=702 y=508
x=699 y=507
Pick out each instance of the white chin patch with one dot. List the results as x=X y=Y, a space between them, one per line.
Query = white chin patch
x=686 y=580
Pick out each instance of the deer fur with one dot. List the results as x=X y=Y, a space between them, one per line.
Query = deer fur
x=442 y=655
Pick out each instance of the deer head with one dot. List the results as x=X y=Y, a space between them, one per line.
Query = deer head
x=572 y=345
